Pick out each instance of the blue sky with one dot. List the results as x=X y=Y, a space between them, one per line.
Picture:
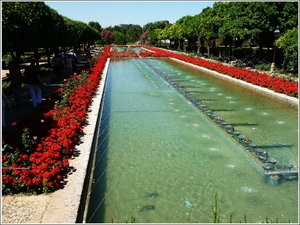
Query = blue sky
x=111 y=13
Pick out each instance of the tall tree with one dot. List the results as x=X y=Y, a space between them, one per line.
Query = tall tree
x=107 y=36
x=154 y=36
x=171 y=33
x=217 y=27
x=119 y=38
x=186 y=30
x=206 y=26
x=95 y=25
x=71 y=33
x=18 y=28
x=289 y=45
x=260 y=20
x=133 y=33
x=154 y=25
x=144 y=37
x=288 y=15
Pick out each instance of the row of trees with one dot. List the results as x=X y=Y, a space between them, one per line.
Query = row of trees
x=122 y=35
x=28 y=26
x=238 y=24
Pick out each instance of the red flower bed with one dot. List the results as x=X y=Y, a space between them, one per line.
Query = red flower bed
x=35 y=157
x=153 y=54
x=280 y=85
x=123 y=54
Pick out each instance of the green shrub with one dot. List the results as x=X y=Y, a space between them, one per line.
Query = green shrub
x=265 y=67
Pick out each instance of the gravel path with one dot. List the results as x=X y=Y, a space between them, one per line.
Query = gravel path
x=23 y=209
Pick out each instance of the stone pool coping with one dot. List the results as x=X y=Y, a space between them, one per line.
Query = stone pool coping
x=265 y=91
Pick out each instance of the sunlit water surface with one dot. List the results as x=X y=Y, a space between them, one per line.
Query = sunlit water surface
x=161 y=160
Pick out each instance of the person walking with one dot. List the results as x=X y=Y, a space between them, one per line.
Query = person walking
x=34 y=81
x=62 y=61
x=56 y=61
x=74 y=60
x=68 y=66
x=88 y=53
x=5 y=101
x=78 y=54
x=15 y=79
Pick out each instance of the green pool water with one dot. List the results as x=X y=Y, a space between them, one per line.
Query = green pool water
x=161 y=160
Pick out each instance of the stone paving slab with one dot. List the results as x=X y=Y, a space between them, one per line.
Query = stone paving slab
x=23 y=209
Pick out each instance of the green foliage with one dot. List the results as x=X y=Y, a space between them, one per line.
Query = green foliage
x=28 y=141
x=245 y=218
x=230 y=218
x=7 y=59
x=133 y=33
x=153 y=36
x=265 y=67
x=73 y=82
x=156 y=25
x=17 y=26
x=26 y=146
x=30 y=25
x=120 y=38
x=216 y=210
x=288 y=42
x=95 y=25
x=288 y=16
x=9 y=152
x=95 y=59
x=216 y=215
x=132 y=220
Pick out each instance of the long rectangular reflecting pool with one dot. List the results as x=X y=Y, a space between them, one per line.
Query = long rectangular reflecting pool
x=161 y=159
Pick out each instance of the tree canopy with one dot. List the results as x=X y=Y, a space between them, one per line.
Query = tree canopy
x=289 y=44
x=238 y=24
x=27 y=26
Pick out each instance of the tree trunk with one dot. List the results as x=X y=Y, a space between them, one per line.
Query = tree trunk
x=260 y=46
x=36 y=56
x=176 y=44
x=220 y=52
x=181 y=45
x=48 y=56
x=16 y=58
x=201 y=45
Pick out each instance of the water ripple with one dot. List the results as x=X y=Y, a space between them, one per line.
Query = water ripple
x=247 y=189
x=231 y=166
x=206 y=136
